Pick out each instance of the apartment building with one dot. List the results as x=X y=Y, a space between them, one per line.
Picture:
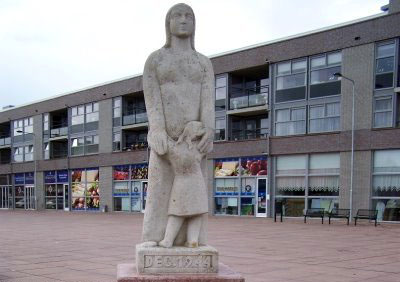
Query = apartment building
x=284 y=132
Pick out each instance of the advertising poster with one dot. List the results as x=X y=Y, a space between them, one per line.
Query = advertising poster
x=226 y=167
x=253 y=166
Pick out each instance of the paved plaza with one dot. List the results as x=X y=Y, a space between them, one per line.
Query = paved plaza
x=63 y=246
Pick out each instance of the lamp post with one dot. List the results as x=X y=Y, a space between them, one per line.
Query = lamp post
x=339 y=75
x=35 y=163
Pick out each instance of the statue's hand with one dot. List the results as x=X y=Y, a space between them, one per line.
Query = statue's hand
x=158 y=141
x=206 y=142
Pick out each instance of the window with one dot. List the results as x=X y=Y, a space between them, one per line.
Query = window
x=322 y=81
x=220 y=126
x=85 y=189
x=291 y=81
x=116 y=141
x=77 y=119
x=383 y=112
x=22 y=130
x=320 y=171
x=249 y=128
x=77 y=146
x=220 y=92
x=92 y=116
x=92 y=144
x=384 y=65
x=18 y=154
x=46 y=127
x=46 y=150
x=386 y=184
x=28 y=153
x=290 y=121
x=324 y=118
x=117 y=111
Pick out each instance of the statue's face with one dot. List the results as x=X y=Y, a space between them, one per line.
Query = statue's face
x=181 y=22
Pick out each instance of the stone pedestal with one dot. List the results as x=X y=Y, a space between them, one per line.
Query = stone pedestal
x=157 y=260
x=128 y=273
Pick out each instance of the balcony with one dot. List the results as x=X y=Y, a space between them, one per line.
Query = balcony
x=135 y=146
x=134 y=116
x=247 y=134
x=5 y=155
x=59 y=130
x=248 y=97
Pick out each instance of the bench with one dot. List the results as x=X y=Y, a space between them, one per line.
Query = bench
x=340 y=213
x=314 y=213
x=278 y=209
x=366 y=214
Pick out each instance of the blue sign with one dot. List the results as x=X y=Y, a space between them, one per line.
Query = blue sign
x=29 y=178
x=62 y=176
x=19 y=179
x=50 y=176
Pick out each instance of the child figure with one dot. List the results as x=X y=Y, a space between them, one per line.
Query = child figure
x=188 y=200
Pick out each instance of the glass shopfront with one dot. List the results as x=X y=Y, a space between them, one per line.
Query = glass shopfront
x=6 y=198
x=307 y=181
x=85 y=189
x=24 y=191
x=240 y=186
x=386 y=184
x=130 y=187
x=56 y=190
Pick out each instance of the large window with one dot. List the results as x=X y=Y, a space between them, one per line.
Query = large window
x=290 y=121
x=220 y=92
x=383 y=111
x=18 y=154
x=291 y=81
x=307 y=181
x=130 y=187
x=322 y=81
x=249 y=128
x=56 y=189
x=23 y=130
x=235 y=185
x=117 y=111
x=325 y=117
x=84 y=145
x=384 y=65
x=85 y=189
x=85 y=118
x=386 y=184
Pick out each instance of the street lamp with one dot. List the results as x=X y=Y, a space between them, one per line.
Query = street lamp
x=35 y=164
x=339 y=75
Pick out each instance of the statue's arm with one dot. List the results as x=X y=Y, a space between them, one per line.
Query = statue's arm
x=207 y=111
x=157 y=136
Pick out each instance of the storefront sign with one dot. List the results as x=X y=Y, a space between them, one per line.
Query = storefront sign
x=50 y=176
x=19 y=179
x=29 y=178
x=62 y=176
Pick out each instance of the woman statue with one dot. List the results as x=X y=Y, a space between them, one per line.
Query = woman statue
x=178 y=85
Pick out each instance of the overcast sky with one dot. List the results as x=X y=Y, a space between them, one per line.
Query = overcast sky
x=49 y=47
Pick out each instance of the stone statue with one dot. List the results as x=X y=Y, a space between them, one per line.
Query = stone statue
x=178 y=85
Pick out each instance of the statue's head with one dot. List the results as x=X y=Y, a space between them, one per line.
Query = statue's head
x=180 y=22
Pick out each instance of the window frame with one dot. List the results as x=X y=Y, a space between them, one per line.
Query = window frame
x=291 y=109
x=324 y=105
x=377 y=98
x=395 y=59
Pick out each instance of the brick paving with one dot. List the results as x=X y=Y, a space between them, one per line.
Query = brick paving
x=62 y=246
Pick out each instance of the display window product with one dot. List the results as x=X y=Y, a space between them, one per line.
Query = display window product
x=139 y=171
x=292 y=207
x=247 y=206
x=253 y=166
x=388 y=209
x=248 y=187
x=328 y=204
x=85 y=189
x=226 y=167
x=121 y=172
x=226 y=186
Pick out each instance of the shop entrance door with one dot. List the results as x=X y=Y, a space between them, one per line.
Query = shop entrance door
x=262 y=197
x=66 y=198
x=5 y=197
x=29 y=197
x=144 y=194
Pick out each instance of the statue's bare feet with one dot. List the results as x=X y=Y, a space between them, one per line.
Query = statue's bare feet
x=165 y=244
x=148 y=244
x=191 y=244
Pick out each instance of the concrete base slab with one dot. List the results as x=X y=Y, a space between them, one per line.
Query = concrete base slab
x=158 y=260
x=128 y=273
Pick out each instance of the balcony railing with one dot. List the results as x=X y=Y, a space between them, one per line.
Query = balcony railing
x=59 y=130
x=5 y=140
x=259 y=133
x=248 y=97
x=140 y=145
x=134 y=116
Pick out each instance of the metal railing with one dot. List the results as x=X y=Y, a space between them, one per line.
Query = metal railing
x=140 y=145
x=245 y=134
x=5 y=140
x=134 y=116
x=248 y=97
x=58 y=131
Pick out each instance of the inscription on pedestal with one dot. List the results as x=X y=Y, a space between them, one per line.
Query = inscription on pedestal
x=176 y=260
x=198 y=262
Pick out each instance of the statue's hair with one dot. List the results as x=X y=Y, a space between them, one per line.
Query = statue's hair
x=167 y=25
